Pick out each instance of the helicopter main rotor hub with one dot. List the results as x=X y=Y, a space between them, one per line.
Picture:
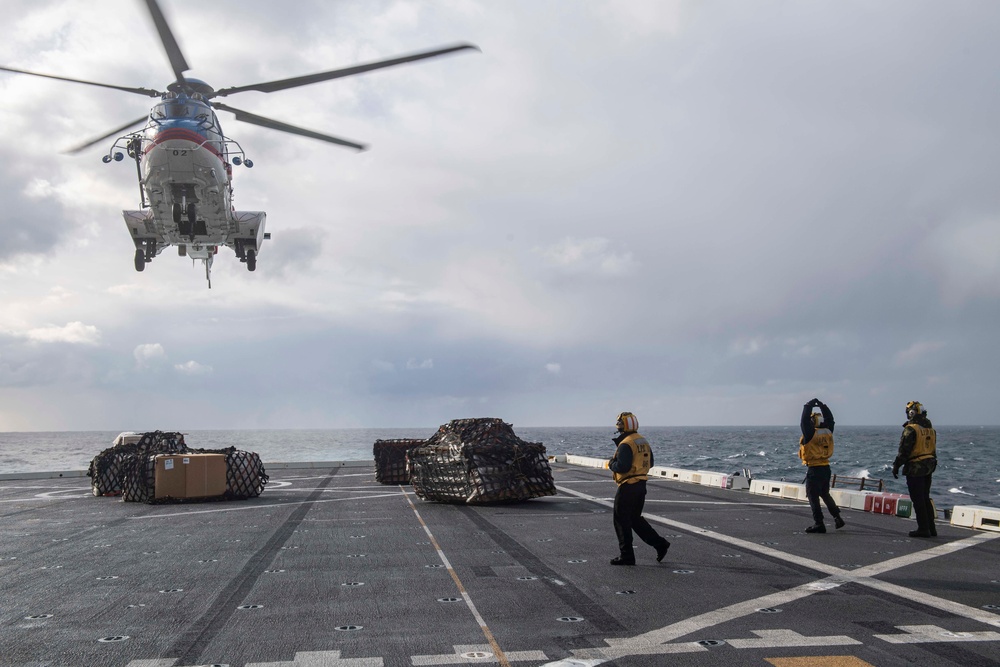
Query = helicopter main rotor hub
x=191 y=86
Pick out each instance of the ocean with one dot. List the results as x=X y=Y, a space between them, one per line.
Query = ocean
x=968 y=470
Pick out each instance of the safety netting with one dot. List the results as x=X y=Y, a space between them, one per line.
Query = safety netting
x=106 y=470
x=390 y=459
x=129 y=469
x=245 y=475
x=479 y=461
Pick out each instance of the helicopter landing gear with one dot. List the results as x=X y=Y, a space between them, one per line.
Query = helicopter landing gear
x=140 y=259
x=177 y=212
x=251 y=260
x=192 y=214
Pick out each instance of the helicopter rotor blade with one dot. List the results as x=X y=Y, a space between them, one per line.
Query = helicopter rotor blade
x=112 y=133
x=294 y=82
x=177 y=61
x=254 y=119
x=139 y=91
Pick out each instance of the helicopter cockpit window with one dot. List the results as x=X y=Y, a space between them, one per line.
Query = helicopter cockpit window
x=172 y=110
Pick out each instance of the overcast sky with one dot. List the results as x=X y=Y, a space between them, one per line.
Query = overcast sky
x=706 y=213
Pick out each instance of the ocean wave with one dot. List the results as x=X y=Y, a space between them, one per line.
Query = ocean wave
x=958 y=489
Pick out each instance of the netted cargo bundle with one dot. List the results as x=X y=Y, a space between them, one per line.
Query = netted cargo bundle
x=107 y=468
x=245 y=476
x=390 y=459
x=138 y=478
x=479 y=461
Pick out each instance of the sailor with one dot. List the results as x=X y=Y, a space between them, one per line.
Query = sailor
x=815 y=450
x=918 y=458
x=632 y=460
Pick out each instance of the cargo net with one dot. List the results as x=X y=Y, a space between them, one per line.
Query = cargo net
x=390 y=459
x=479 y=461
x=245 y=476
x=106 y=470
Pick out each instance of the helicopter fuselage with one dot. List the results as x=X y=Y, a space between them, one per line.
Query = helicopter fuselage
x=185 y=164
x=186 y=179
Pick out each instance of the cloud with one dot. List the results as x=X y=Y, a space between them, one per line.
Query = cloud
x=413 y=364
x=192 y=368
x=553 y=368
x=917 y=352
x=76 y=333
x=149 y=355
x=589 y=255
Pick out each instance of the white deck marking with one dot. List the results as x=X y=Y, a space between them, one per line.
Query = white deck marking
x=262 y=507
x=654 y=642
x=494 y=646
x=785 y=638
x=728 y=539
x=923 y=634
x=466 y=654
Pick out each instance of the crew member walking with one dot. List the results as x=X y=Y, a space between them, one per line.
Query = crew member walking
x=631 y=462
x=815 y=450
x=918 y=458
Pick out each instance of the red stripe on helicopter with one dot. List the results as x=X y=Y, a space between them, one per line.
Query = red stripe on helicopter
x=175 y=133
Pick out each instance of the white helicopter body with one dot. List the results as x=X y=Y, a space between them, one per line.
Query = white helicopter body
x=186 y=175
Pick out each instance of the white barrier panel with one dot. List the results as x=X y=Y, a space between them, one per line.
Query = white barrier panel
x=793 y=491
x=663 y=471
x=585 y=461
x=976 y=516
x=766 y=487
x=716 y=479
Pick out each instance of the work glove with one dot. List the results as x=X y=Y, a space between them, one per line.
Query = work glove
x=895 y=472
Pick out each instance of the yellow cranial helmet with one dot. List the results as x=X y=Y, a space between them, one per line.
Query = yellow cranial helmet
x=914 y=408
x=627 y=423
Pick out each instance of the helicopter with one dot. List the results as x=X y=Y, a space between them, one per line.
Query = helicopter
x=184 y=162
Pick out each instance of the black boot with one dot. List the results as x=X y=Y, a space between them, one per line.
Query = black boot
x=838 y=522
x=920 y=532
x=621 y=560
x=816 y=528
x=661 y=550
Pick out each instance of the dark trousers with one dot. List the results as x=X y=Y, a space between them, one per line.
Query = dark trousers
x=629 y=501
x=818 y=486
x=920 y=494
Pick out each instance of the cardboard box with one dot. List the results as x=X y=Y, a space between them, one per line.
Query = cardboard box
x=184 y=476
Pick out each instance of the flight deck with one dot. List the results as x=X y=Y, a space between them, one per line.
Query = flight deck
x=328 y=568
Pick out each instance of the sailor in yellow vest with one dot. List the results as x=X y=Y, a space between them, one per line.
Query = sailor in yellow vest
x=815 y=450
x=918 y=458
x=631 y=462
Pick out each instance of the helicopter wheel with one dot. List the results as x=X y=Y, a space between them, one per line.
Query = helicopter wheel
x=140 y=259
x=177 y=212
x=192 y=215
x=251 y=260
